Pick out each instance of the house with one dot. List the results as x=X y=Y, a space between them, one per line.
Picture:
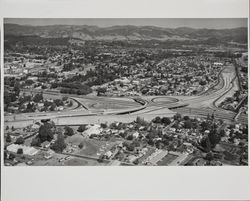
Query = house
x=136 y=135
x=93 y=129
x=108 y=154
x=131 y=158
x=45 y=144
x=31 y=151
x=48 y=156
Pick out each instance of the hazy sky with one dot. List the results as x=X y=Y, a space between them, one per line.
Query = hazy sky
x=215 y=23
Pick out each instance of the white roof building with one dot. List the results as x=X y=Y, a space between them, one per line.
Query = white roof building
x=95 y=129
x=31 y=151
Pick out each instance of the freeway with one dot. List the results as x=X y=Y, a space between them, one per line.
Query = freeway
x=106 y=109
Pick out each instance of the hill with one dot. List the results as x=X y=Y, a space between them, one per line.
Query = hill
x=85 y=32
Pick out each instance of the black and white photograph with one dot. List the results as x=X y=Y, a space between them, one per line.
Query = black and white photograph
x=128 y=100
x=125 y=91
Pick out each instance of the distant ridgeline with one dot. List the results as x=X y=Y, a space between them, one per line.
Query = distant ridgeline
x=65 y=34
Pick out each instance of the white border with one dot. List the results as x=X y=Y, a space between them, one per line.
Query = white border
x=125 y=8
x=123 y=183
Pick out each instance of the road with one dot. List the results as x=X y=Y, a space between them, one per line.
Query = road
x=127 y=109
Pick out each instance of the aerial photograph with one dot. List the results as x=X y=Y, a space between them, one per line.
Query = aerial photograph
x=125 y=92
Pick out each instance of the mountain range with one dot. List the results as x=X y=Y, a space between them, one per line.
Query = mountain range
x=85 y=32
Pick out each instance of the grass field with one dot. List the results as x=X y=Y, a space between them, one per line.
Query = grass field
x=74 y=161
x=167 y=160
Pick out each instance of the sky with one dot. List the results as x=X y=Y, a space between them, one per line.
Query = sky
x=210 y=23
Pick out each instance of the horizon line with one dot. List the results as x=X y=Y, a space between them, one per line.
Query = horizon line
x=173 y=23
x=51 y=25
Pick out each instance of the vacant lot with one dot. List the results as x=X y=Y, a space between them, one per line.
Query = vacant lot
x=167 y=160
x=75 y=161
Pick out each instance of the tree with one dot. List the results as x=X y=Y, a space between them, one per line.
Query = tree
x=141 y=122
x=20 y=151
x=5 y=155
x=186 y=118
x=12 y=156
x=68 y=131
x=177 y=116
x=8 y=138
x=209 y=156
x=206 y=144
x=188 y=124
x=101 y=90
x=29 y=82
x=165 y=120
x=59 y=144
x=222 y=133
x=176 y=125
x=130 y=137
x=30 y=107
x=81 y=145
x=46 y=132
x=65 y=98
x=214 y=138
x=70 y=103
x=157 y=120
x=47 y=104
x=113 y=125
x=58 y=102
x=203 y=82
x=212 y=116
x=19 y=140
x=151 y=142
x=104 y=125
x=38 y=97
x=52 y=107
x=131 y=147
x=204 y=125
x=82 y=128
x=17 y=88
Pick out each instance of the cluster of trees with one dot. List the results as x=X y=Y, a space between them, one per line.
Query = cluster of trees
x=8 y=138
x=82 y=128
x=131 y=146
x=59 y=144
x=25 y=98
x=83 y=91
x=48 y=105
x=202 y=82
x=30 y=106
x=19 y=140
x=163 y=120
x=71 y=66
x=46 y=133
x=68 y=131
x=38 y=98
x=11 y=95
x=211 y=140
x=74 y=88
x=101 y=91
x=34 y=41
x=102 y=74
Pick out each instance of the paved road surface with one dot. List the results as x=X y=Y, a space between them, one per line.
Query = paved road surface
x=148 y=109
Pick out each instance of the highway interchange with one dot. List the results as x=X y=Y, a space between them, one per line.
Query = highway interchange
x=95 y=109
